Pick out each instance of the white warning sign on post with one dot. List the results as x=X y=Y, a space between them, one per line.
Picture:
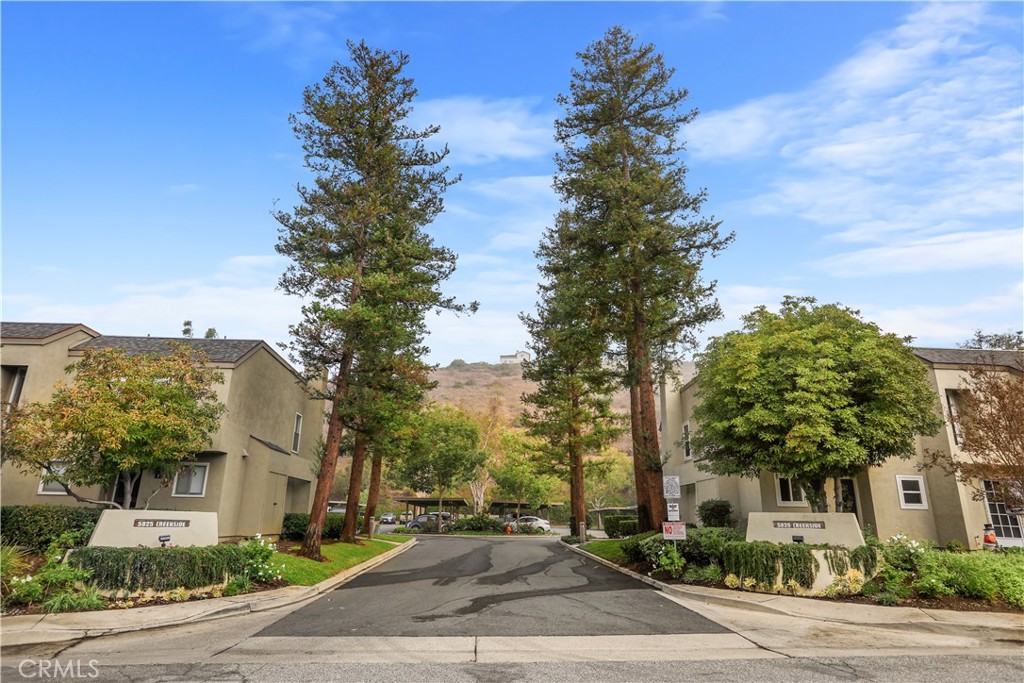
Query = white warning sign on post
x=674 y=531
x=670 y=486
x=673 y=512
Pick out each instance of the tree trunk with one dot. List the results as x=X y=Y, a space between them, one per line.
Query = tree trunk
x=328 y=465
x=636 y=429
x=128 y=481
x=647 y=467
x=440 y=510
x=577 y=496
x=652 y=452
x=355 y=485
x=371 y=496
x=814 y=491
x=478 y=489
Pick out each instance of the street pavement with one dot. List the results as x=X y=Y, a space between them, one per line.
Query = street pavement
x=530 y=609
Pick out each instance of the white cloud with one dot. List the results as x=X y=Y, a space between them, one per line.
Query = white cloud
x=905 y=149
x=481 y=130
x=950 y=323
x=953 y=251
x=301 y=31
x=227 y=299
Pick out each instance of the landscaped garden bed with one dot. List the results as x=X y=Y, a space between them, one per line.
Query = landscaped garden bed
x=898 y=571
x=58 y=573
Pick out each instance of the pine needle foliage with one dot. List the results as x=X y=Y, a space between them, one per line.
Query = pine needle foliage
x=630 y=232
x=360 y=258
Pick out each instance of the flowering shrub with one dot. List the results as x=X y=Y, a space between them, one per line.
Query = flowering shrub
x=256 y=554
x=732 y=581
x=903 y=552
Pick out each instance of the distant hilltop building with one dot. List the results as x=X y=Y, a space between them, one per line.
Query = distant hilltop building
x=517 y=357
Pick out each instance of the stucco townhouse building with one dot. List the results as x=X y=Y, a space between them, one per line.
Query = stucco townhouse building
x=899 y=496
x=260 y=463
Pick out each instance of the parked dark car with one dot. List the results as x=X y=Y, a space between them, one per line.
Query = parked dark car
x=388 y=518
x=430 y=518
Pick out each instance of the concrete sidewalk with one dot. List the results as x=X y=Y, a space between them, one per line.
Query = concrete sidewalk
x=73 y=626
x=60 y=628
x=1000 y=626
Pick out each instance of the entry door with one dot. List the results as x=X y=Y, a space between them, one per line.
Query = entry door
x=273 y=503
x=849 y=490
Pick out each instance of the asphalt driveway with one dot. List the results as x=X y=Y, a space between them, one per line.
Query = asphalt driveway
x=450 y=586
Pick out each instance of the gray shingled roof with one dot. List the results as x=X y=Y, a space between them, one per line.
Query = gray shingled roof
x=218 y=350
x=1012 y=359
x=32 y=330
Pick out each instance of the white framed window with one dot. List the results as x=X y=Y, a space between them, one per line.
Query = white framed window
x=912 y=494
x=788 y=493
x=687 y=452
x=951 y=401
x=52 y=488
x=297 y=433
x=1006 y=525
x=190 y=481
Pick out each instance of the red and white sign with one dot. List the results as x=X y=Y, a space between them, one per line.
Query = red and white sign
x=674 y=531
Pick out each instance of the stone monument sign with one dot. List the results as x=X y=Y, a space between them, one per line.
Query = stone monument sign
x=153 y=528
x=805 y=527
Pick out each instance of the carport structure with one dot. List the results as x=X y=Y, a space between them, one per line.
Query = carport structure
x=419 y=506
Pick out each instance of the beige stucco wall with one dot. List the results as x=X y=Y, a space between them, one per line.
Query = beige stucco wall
x=952 y=512
x=46 y=363
x=262 y=396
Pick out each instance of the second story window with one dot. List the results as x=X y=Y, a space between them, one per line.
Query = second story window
x=297 y=434
x=686 y=441
x=954 y=416
x=13 y=383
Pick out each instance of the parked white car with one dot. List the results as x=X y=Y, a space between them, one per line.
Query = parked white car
x=533 y=523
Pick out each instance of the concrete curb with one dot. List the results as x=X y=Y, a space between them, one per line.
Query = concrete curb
x=67 y=628
x=990 y=625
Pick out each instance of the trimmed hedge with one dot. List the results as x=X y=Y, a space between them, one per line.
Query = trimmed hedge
x=37 y=526
x=632 y=548
x=161 y=569
x=613 y=525
x=715 y=512
x=295 y=524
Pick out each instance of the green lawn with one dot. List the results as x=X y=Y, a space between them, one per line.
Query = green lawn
x=610 y=550
x=300 y=571
x=394 y=538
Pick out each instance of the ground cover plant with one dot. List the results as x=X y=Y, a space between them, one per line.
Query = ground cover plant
x=897 y=571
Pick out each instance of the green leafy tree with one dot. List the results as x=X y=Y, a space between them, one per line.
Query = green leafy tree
x=360 y=256
x=120 y=416
x=516 y=475
x=442 y=451
x=812 y=393
x=1010 y=341
x=631 y=230
x=570 y=410
x=609 y=480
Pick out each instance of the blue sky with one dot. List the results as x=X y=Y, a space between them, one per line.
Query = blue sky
x=866 y=153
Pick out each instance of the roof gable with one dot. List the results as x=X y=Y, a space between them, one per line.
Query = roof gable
x=217 y=350
x=998 y=357
x=38 y=331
